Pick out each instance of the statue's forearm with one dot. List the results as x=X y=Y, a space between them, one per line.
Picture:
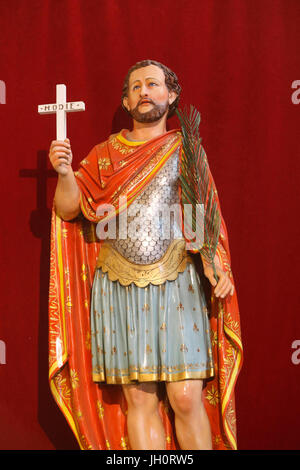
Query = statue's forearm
x=207 y=262
x=67 y=196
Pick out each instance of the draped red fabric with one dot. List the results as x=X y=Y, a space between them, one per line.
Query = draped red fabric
x=113 y=166
x=237 y=62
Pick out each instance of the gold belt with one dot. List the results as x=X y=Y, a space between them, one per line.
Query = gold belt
x=120 y=269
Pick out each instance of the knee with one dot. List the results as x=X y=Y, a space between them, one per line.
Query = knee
x=182 y=402
x=186 y=399
x=139 y=398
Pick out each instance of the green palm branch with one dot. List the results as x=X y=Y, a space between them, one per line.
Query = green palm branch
x=197 y=185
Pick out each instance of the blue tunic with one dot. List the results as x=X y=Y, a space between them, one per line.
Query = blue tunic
x=158 y=332
x=153 y=333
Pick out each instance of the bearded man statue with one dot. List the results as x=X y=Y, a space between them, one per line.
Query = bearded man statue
x=145 y=344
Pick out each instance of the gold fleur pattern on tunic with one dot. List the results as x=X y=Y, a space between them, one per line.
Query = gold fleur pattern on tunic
x=195 y=327
x=163 y=326
x=148 y=349
x=191 y=289
x=180 y=306
x=145 y=308
x=183 y=348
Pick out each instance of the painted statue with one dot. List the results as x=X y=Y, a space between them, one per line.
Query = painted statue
x=145 y=344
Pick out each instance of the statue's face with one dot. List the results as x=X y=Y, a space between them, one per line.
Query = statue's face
x=148 y=96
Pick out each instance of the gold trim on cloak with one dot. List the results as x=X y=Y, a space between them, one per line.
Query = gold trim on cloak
x=167 y=268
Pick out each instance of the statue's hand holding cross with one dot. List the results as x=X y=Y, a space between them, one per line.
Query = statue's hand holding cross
x=60 y=153
x=67 y=193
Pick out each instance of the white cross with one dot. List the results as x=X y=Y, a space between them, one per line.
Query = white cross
x=61 y=108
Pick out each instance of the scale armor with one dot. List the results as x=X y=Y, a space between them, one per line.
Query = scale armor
x=146 y=242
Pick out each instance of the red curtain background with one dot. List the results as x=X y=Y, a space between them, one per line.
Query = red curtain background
x=236 y=61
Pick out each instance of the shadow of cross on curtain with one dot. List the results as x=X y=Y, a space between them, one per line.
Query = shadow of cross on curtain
x=49 y=416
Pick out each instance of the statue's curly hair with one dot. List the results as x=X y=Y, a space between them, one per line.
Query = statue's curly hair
x=170 y=79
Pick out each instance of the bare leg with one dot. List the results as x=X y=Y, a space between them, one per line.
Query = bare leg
x=145 y=427
x=191 y=420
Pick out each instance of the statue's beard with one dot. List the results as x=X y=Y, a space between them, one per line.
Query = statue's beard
x=156 y=113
